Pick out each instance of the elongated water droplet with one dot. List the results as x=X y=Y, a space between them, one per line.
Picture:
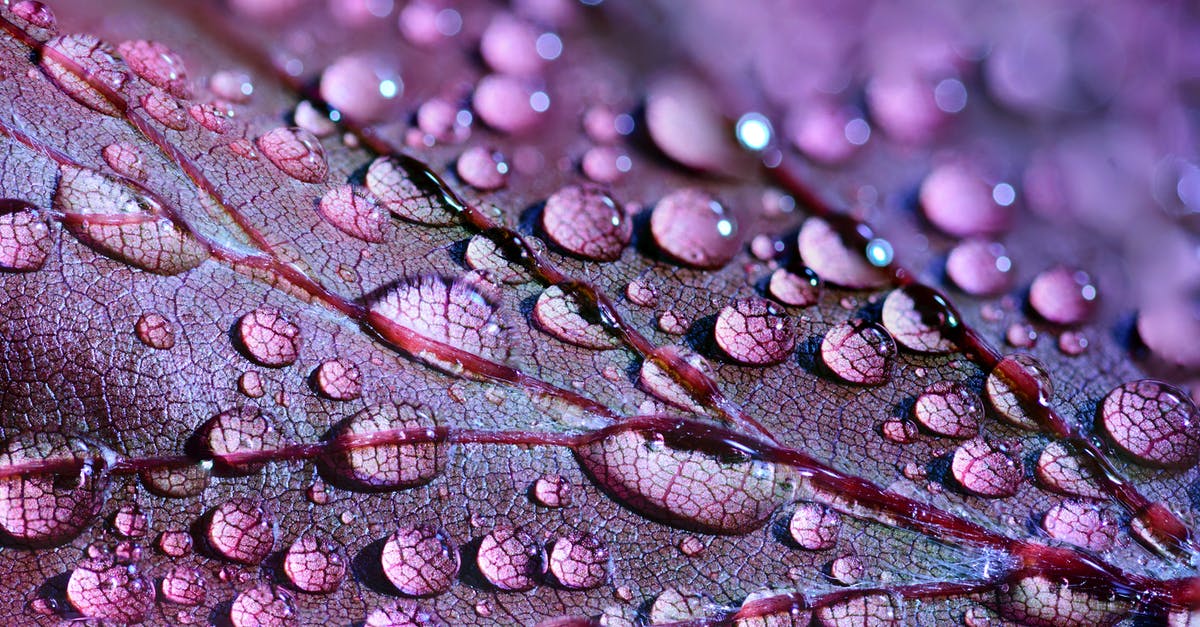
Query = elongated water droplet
x=392 y=465
x=814 y=527
x=269 y=338
x=959 y=202
x=125 y=159
x=561 y=314
x=102 y=588
x=484 y=254
x=913 y=325
x=1083 y=524
x=859 y=352
x=184 y=585
x=796 y=289
x=980 y=267
x=177 y=482
x=362 y=87
x=296 y=152
x=695 y=229
x=263 y=605
x=86 y=69
x=404 y=614
x=354 y=212
x=1063 y=295
x=949 y=408
x=985 y=470
x=579 y=561
x=314 y=565
x=119 y=220
x=752 y=331
x=824 y=250
x=420 y=560
x=1154 y=422
x=24 y=236
x=586 y=221
x=1037 y=601
x=158 y=65
x=1008 y=395
x=155 y=331
x=241 y=530
x=874 y=608
x=410 y=195
x=659 y=382
x=214 y=116
x=482 y=168
x=242 y=430
x=510 y=559
x=45 y=508
x=162 y=107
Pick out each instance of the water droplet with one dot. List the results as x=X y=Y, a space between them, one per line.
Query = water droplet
x=691 y=546
x=447 y=311
x=440 y=119
x=1169 y=329
x=796 y=289
x=605 y=164
x=1037 y=601
x=162 y=107
x=105 y=589
x=243 y=148
x=177 y=482
x=296 y=152
x=579 y=561
x=642 y=292
x=510 y=559
x=688 y=488
x=509 y=46
x=687 y=124
x=788 y=616
x=1072 y=343
x=175 y=543
x=949 y=408
x=119 y=220
x=819 y=131
x=383 y=466
x=155 y=331
x=184 y=585
x=404 y=614
x=914 y=322
x=877 y=609
x=985 y=470
x=824 y=250
x=485 y=255
x=307 y=117
x=1063 y=472
x=752 y=331
x=362 y=87
x=103 y=72
x=420 y=560
x=552 y=491
x=35 y=13
x=1021 y=335
x=980 y=267
x=482 y=168
x=1154 y=422
x=483 y=608
x=1063 y=295
x=314 y=565
x=130 y=521
x=214 y=116
x=241 y=530
x=673 y=605
x=269 y=338
x=560 y=314
x=503 y=102
x=814 y=527
x=24 y=236
x=158 y=65
x=958 y=201
x=898 y=430
x=125 y=159
x=1006 y=389
x=859 y=352
x=658 y=382
x=263 y=605
x=46 y=508
x=251 y=384
x=390 y=181
x=354 y=212
x=1082 y=524
x=586 y=221
x=238 y=431
x=846 y=570
x=693 y=228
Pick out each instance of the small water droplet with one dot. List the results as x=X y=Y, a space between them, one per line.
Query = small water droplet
x=1006 y=392
x=175 y=543
x=579 y=561
x=958 y=201
x=1169 y=329
x=846 y=570
x=177 y=482
x=482 y=168
x=752 y=331
x=1154 y=422
x=691 y=546
x=980 y=267
x=241 y=530
x=394 y=185
x=296 y=152
x=814 y=527
x=231 y=85
x=158 y=65
x=642 y=292
x=130 y=521
x=404 y=613
x=694 y=228
x=899 y=430
x=687 y=123
x=314 y=565
x=824 y=250
x=420 y=560
x=586 y=221
x=983 y=469
x=605 y=164
x=950 y=409
x=103 y=72
x=103 y=588
x=504 y=103
x=1063 y=295
x=35 y=13
x=214 y=116
x=155 y=331
x=552 y=491
x=354 y=212
x=383 y=466
x=859 y=352
x=339 y=380
x=820 y=132
x=658 y=382
x=1021 y=335
x=1072 y=343
x=24 y=236
x=509 y=46
x=918 y=322
x=125 y=159
x=251 y=384
x=263 y=605
x=162 y=107
x=362 y=87
x=184 y=585
x=238 y=431
x=485 y=255
x=48 y=508
x=510 y=559
x=1063 y=472
x=269 y=338
x=673 y=605
x=673 y=322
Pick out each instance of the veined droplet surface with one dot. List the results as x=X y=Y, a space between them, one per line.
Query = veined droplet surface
x=579 y=561
x=482 y=168
x=823 y=250
x=510 y=559
x=242 y=530
x=695 y=229
x=35 y=13
x=296 y=152
x=103 y=588
x=399 y=191
x=130 y=521
x=269 y=338
x=184 y=585
x=354 y=212
x=314 y=565
x=1005 y=381
x=800 y=289
x=163 y=107
x=175 y=543
x=263 y=605
x=391 y=465
x=588 y=222
x=980 y=267
x=1154 y=422
x=1063 y=295
x=873 y=608
x=552 y=491
x=959 y=202
x=24 y=236
x=752 y=331
x=561 y=314
x=158 y=65
x=1060 y=471
x=233 y=432
x=120 y=221
x=659 y=382
x=913 y=324
x=155 y=331
x=985 y=470
x=103 y=72
x=675 y=605
x=814 y=527
x=43 y=508
x=859 y=352
x=420 y=560
x=949 y=408
x=404 y=613
x=361 y=87
x=484 y=254
x=214 y=116
x=1086 y=525
x=1037 y=601
x=177 y=482
x=125 y=159
x=339 y=380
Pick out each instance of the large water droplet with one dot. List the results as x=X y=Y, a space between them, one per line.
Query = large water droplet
x=177 y=482
x=43 y=508
x=338 y=379
x=399 y=191
x=503 y=102
x=918 y=322
x=509 y=45
x=162 y=107
x=263 y=605
x=1037 y=601
x=354 y=212
x=118 y=220
x=693 y=228
x=242 y=430
x=814 y=527
x=824 y=250
x=959 y=202
x=752 y=331
x=24 y=236
x=1065 y=473
x=586 y=221
x=391 y=466
x=184 y=585
x=101 y=71
x=1083 y=524
x=949 y=408
x=296 y=152
x=1154 y=422
x=1063 y=295
x=155 y=331
x=561 y=314
x=684 y=487
x=579 y=561
x=314 y=565
x=510 y=559
x=859 y=352
x=35 y=13
x=1169 y=329
x=796 y=289
x=361 y=87
x=877 y=609
x=420 y=560
x=404 y=614
x=103 y=588
x=980 y=267
x=673 y=605
x=269 y=338
x=984 y=469
x=482 y=168
x=686 y=123
x=659 y=382
x=1007 y=392
x=158 y=65
x=241 y=530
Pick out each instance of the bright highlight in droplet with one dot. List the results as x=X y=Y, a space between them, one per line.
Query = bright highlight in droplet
x=1004 y=194
x=725 y=228
x=548 y=46
x=858 y=131
x=388 y=88
x=879 y=252
x=539 y=101
x=754 y=131
x=950 y=95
